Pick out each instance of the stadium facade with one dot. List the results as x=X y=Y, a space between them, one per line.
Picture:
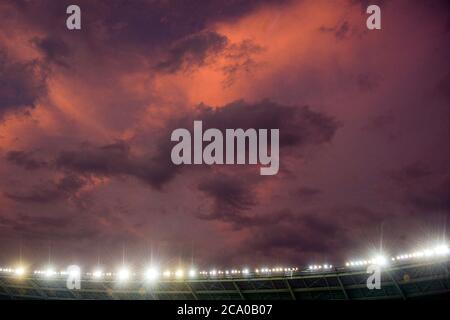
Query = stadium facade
x=403 y=280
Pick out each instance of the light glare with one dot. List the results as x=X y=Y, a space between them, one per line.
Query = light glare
x=20 y=271
x=123 y=274
x=97 y=274
x=151 y=274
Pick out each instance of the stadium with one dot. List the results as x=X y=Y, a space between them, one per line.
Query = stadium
x=421 y=274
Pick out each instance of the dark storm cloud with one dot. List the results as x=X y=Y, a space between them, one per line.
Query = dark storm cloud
x=299 y=234
x=423 y=188
x=21 y=83
x=34 y=225
x=278 y=237
x=234 y=200
x=433 y=199
x=312 y=232
x=299 y=126
x=231 y=196
x=204 y=48
x=55 y=50
x=117 y=159
x=192 y=51
x=25 y=159
x=51 y=191
x=147 y=25
x=320 y=203
x=38 y=229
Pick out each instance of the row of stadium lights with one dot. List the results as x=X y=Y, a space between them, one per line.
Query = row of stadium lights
x=438 y=251
x=247 y=271
x=152 y=273
x=435 y=252
x=378 y=260
x=321 y=267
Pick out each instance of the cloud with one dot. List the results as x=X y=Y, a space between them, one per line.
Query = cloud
x=231 y=196
x=116 y=159
x=192 y=51
x=21 y=84
x=234 y=195
x=301 y=234
x=340 y=31
x=299 y=125
x=92 y=160
x=25 y=159
x=434 y=198
x=55 y=50
x=240 y=59
x=146 y=25
x=424 y=189
x=63 y=188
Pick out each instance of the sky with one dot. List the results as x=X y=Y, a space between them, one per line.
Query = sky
x=86 y=118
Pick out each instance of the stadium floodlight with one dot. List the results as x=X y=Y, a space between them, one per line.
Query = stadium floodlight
x=19 y=271
x=151 y=274
x=166 y=273
x=123 y=274
x=49 y=272
x=442 y=250
x=179 y=273
x=97 y=274
x=245 y=271
x=213 y=272
x=428 y=253
x=380 y=260
x=193 y=273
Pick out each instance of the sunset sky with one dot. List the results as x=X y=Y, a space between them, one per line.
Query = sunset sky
x=86 y=118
